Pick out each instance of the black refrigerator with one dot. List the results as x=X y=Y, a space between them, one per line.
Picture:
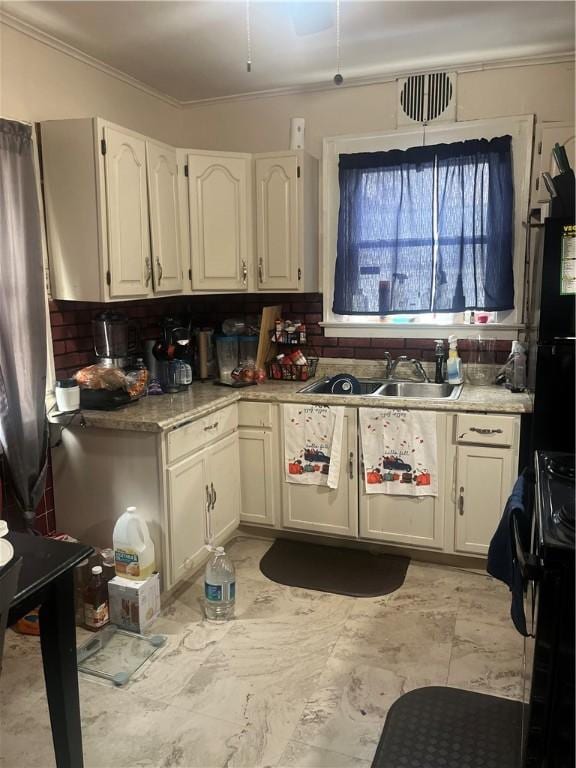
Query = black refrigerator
x=553 y=419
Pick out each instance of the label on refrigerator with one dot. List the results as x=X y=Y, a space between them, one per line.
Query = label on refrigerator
x=568 y=261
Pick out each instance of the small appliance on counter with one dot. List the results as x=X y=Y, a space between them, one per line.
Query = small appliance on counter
x=111 y=342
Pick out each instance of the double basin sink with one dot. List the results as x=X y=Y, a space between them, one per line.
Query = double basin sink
x=407 y=390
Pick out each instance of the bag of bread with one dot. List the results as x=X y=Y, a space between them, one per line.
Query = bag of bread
x=99 y=377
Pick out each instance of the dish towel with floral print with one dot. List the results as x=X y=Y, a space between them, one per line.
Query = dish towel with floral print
x=399 y=451
x=313 y=444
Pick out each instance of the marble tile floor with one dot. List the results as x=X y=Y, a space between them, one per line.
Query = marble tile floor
x=299 y=678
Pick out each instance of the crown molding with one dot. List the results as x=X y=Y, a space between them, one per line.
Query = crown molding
x=75 y=53
x=352 y=82
x=389 y=77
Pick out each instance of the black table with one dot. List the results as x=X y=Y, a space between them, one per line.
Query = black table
x=47 y=580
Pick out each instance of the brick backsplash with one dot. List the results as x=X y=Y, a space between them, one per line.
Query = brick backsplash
x=72 y=328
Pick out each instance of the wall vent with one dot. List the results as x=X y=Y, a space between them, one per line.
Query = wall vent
x=427 y=98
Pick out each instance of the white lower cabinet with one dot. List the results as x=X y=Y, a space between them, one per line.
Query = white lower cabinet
x=484 y=479
x=188 y=503
x=259 y=476
x=223 y=472
x=412 y=520
x=203 y=502
x=320 y=509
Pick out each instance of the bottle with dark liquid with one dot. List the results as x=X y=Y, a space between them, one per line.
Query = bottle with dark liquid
x=96 y=613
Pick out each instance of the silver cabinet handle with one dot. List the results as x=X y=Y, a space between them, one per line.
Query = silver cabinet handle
x=208 y=517
x=211 y=426
x=260 y=270
x=159 y=265
x=486 y=431
x=148 y=264
x=461 y=501
x=351 y=465
x=244 y=272
x=213 y=495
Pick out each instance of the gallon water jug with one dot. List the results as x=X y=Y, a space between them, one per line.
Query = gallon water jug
x=133 y=547
x=219 y=586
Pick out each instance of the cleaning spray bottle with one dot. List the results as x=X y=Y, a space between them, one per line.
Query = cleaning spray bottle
x=454 y=363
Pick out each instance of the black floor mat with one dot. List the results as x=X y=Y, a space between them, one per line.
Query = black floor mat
x=342 y=571
x=450 y=728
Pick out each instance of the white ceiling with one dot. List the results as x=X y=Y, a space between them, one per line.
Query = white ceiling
x=197 y=50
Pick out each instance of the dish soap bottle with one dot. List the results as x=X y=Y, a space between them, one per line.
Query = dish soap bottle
x=454 y=363
x=133 y=547
x=440 y=356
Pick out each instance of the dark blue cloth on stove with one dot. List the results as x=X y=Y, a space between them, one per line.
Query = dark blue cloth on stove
x=502 y=562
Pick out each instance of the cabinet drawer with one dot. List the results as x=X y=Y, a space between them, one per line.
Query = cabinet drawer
x=191 y=437
x=482 y=429
x=255 y=414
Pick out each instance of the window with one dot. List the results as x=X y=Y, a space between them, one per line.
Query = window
x=419 y=237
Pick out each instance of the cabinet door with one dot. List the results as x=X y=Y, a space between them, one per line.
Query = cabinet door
x=224 y=474
x=322 y=509
x=277 y=222
x=188 y=501
x=414 y=520
x=164 y=218
x=259 y=476
x=484 y=479
x=218 y=195
x=127 y=214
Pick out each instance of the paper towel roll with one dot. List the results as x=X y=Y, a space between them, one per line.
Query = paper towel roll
x=297 y=132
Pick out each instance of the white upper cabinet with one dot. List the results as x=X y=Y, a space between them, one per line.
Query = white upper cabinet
x=164 y=218
x=127 y=213
x=286 y=221
x=219 y=198
x=112 y=212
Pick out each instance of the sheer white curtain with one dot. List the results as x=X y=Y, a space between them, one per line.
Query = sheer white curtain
x=23 y=423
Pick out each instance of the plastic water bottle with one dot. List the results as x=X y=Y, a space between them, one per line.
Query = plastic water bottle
x=219 y=586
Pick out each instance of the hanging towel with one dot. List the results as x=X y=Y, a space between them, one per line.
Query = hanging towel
x=313 y=444
x=399 y=451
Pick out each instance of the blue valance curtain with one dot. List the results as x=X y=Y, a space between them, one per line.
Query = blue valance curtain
x=427 y=229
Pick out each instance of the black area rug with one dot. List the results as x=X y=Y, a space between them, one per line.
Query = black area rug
x=450 y=728
x=342 y=571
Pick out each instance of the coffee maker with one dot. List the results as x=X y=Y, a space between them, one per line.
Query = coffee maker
x=110 y=332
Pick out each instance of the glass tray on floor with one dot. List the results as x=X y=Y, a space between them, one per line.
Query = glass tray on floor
x=115 y=654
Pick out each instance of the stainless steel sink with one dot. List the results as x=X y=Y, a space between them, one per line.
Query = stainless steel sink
x=409 y=390
x=416 y=390
x=320 y=387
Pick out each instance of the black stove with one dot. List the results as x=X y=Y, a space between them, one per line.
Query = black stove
x=549 y=585
x=556 y=506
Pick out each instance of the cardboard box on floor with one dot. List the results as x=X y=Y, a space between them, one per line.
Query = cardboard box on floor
x=134 y=604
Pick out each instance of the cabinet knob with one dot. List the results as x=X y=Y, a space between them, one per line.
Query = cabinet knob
x=213 y=495
x=461 y=501
x=148 y=264
x=260 y=271
x=351 y=465
x=159 y=265
x=244 y=272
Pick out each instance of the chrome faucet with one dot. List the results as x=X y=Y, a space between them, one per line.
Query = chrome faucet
x=388 y=358
x=418 y=367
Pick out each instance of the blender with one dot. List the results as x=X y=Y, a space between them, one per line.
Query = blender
x=110 y=333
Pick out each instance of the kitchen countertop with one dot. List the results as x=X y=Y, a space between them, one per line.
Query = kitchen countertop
x=164 y=412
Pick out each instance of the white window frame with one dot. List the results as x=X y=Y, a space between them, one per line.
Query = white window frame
x=520 y=127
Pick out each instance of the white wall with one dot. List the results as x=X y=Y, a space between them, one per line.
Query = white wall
x=262 y=124
x=38 y=82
